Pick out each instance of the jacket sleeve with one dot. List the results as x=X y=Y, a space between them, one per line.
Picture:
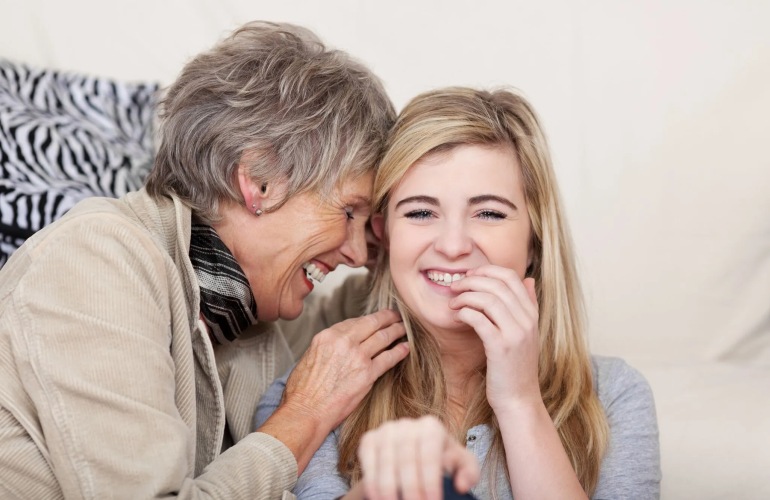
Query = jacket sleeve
x=94 y=350
x=322 y=311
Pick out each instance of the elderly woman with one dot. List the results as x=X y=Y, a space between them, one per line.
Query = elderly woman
x=136 y=335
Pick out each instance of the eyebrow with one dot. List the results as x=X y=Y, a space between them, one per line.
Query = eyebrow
x=361 y=200
x=491 y=197
x=418 y=199
x=473 y=201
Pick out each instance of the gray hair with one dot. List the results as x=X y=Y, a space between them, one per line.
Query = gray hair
x=273 y=98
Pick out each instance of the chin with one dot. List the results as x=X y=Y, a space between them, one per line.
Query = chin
x=442 y=322
x=292 y=314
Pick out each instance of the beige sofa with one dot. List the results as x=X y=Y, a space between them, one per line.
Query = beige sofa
x=658 y=115
x=681 y=288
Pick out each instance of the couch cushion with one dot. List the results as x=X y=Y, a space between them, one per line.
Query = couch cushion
x=714 y=430
x=64 y=137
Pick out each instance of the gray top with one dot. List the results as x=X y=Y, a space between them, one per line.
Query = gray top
x=630 y=469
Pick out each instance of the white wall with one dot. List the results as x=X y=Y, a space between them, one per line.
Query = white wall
x=657 y=113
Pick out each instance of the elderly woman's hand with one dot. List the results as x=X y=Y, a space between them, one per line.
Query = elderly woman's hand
x=343 y=362
x=407 y=459
x=332 y=377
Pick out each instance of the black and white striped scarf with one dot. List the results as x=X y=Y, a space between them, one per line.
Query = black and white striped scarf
x=227 y=304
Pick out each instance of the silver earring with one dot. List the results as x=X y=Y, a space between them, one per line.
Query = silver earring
x=257 y=211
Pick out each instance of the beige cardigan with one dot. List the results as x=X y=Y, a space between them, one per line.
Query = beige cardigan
x=109 y=385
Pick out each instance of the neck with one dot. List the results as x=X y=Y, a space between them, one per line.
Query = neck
x=463 y=360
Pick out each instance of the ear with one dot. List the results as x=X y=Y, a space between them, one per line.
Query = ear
x=378 y=228
x=249 y=188
x=530 y=256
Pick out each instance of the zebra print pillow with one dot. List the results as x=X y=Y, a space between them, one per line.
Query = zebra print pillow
x=65 y=137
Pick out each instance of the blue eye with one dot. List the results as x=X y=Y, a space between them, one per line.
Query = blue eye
x=491 y=215
x=420 y=214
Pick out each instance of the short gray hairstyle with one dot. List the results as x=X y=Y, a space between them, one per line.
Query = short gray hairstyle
x=271 y=97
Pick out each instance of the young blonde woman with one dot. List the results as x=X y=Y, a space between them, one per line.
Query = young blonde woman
x=477 y=258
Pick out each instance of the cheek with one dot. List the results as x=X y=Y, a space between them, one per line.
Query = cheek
x=328 y=237
x=509 y=250
x=403 y=275
x=404 y=246
x=398 y=261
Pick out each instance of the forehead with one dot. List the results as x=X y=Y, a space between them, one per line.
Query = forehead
x=357 y=190
x=471 y=169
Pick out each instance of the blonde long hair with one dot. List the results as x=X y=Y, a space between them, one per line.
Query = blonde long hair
x=438 y=121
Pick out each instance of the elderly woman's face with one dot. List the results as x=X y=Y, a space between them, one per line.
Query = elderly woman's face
x=285 y=252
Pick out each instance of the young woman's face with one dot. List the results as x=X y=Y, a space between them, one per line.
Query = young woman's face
x=454 y=211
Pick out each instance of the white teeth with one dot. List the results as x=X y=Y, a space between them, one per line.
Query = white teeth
x=313 y=271
x=444 y=279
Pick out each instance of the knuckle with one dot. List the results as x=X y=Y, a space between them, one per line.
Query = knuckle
x=321 y=338
x=497 y=286
x=320 y=344
x=529 y=323
x=430 y=423
x=345 y=324
x=370 y=487
x=428 y=418
x=367 y=440
x=340 y=344
x=385 y=361
x=363 y=321
x=508 y=274
x=372 y=322
x=342 y=327
x=357 y=362
x=391 y=427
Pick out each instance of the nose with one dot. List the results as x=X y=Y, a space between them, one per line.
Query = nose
x=354 y=248
x=453 y=240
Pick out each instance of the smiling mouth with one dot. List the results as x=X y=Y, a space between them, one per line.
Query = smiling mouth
x=313 y=272
x=444 y=279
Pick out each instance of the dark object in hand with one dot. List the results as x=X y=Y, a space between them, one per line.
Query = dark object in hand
x=450 y=493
